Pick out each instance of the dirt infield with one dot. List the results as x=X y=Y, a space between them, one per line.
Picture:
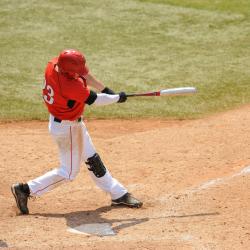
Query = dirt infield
x=193 y=176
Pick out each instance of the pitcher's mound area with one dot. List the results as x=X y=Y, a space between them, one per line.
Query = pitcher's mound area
x=193 y=177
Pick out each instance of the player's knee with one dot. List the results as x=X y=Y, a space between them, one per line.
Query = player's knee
x=96 y=165
x=73 y=175
x=68 y=174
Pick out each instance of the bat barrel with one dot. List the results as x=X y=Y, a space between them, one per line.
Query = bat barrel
x=169 y=92
x=178 y=91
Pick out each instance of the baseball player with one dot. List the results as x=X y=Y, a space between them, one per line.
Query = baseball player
x=66 y=92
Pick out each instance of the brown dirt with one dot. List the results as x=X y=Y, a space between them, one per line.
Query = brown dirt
x=188 y=173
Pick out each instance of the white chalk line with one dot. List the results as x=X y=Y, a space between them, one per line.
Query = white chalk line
x=206 y=185
x=218 y=181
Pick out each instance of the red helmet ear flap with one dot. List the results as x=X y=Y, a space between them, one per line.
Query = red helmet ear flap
x=72 y=62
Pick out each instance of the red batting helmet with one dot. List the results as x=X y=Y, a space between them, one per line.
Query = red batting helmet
x=72 y=62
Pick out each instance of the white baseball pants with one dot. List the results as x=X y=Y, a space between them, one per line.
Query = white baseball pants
x=75 y=146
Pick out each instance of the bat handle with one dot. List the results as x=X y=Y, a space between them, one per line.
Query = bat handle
x=130 y=95
x=155 y=93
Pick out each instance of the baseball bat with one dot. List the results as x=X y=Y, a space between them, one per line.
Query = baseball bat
x=167 y=92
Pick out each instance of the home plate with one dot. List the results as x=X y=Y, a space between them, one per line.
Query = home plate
x=100 y=229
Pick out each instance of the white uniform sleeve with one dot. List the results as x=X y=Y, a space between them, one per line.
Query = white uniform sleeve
x=105 y=99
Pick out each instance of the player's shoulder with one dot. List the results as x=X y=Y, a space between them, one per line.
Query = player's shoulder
x=50 y=73
x=51 y=65
x=52 y=62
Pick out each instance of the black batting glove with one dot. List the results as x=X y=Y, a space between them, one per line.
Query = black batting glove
x=123 y=97
x=108 y=91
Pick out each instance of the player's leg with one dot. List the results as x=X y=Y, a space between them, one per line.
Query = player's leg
x=70 y=150
x=102 y=176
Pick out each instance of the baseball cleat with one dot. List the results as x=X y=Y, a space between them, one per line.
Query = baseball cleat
x=127 y=200
x=21 y=197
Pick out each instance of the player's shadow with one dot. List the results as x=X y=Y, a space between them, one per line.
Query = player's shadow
x=75 y=219
x=3 y=244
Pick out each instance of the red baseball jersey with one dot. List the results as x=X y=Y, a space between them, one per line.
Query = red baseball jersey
x=58 y=90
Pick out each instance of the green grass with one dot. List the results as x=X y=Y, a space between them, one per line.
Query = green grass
x=130 y=46
x=230 y=6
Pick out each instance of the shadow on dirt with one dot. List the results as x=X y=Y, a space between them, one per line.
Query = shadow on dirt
x=3 y=244
x=75 y=219
x=185 y=216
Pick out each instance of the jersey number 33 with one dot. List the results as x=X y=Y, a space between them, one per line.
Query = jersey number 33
x=49 y=96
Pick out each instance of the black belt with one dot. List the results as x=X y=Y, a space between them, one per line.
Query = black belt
x=59 y=120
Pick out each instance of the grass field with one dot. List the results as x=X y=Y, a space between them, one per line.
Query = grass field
x=130 y=46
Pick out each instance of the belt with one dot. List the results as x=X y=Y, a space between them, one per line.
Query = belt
x=59 y=120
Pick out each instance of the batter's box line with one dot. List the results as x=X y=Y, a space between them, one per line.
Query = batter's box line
x=218 y=181
x=204 y=186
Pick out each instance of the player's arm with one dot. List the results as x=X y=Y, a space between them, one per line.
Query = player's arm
x=105 y=99
x=97 y=84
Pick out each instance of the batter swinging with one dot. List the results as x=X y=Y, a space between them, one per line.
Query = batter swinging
x=65 y=93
